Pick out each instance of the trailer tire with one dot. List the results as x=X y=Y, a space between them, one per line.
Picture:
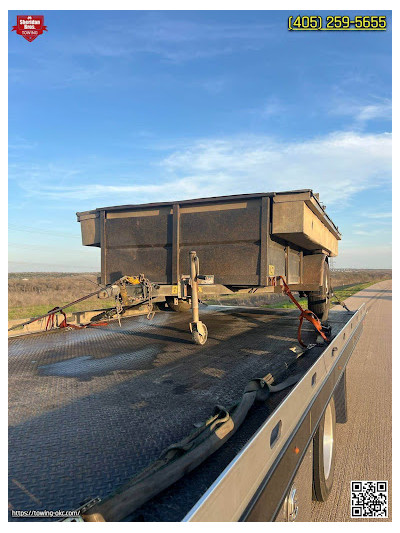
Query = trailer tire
x=183 y=306
x=324 y=452
x=319 y=302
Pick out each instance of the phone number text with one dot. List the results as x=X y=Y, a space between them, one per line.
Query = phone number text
x=338 y=23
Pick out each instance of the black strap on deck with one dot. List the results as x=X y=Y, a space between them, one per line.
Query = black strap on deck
x=183 y=456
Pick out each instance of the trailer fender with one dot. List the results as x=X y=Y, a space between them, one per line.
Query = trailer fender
x=313 y=269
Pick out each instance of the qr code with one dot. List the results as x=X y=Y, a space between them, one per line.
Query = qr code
x=369 y=499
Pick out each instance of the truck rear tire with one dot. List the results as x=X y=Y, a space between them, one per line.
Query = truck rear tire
x=319 y=302
x=183 y=306
x=324 y=451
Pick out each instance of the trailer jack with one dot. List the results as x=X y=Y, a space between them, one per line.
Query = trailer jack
x=197 y=328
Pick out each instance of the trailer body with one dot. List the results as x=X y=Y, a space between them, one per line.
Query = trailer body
x=242 y=241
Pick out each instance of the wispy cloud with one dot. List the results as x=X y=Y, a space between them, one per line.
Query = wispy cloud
x=337 y=165
x=273 y=106
x=372 y=232
x=363 y=112
x=176 y=40
x=173 y=39
x=379 y=215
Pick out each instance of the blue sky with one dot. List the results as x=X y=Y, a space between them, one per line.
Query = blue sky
x=120 y=107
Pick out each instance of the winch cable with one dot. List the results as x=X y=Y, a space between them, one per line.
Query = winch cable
x=304 y=314
x=183 y=456
x=50 y=315
x=56 y=310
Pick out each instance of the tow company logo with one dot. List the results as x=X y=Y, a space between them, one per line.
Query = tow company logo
x=30 y=26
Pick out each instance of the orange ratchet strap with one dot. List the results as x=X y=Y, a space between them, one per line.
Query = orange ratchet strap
x=304 y=314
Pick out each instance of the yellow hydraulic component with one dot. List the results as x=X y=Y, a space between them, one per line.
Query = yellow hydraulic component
x=133 y=280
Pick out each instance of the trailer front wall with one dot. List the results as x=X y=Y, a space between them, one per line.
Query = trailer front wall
x=135 y=242
x=225 y=236
x=226 y=239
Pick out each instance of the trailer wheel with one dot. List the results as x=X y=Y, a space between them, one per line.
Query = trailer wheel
x=181 y=307
x=319 y=302
x=324 y=448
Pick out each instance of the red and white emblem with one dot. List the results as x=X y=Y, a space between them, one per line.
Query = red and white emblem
x=30 y=26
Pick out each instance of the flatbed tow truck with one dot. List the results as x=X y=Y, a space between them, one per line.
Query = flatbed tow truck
x=132 y=421
x=91 y=408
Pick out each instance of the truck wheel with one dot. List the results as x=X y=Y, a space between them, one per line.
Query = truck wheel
x=319 y=302
x=324 y=448
x=181 y=307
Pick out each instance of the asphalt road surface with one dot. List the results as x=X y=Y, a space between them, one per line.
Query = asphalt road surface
x=364 y=442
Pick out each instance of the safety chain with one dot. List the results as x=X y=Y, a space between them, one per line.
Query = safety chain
x=148 y=290
x=340 y=301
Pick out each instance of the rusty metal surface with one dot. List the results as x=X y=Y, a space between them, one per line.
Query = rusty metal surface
x=314 y=268
x=226 y=240
x=90 y=408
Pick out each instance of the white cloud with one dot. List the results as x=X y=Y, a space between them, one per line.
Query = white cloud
x=379 y=108
x=337 y=166
x=368 y=112
x=379 y=215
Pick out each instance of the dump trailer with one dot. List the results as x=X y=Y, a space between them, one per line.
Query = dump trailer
x=196 y=249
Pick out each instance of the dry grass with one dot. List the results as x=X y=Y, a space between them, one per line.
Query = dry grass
x=33 y=294
x=342 y=278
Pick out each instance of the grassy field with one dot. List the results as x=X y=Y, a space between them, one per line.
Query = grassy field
x=341 y=294
x=32 y=294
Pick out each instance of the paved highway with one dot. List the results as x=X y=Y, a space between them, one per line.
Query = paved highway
x=364 y=443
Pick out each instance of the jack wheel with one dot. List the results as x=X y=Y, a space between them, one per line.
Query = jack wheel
x=198 y=338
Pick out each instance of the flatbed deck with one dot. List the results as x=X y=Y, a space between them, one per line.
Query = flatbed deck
x=89 y=409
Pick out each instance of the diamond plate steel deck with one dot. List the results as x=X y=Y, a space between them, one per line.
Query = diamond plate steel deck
x=88 y=409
